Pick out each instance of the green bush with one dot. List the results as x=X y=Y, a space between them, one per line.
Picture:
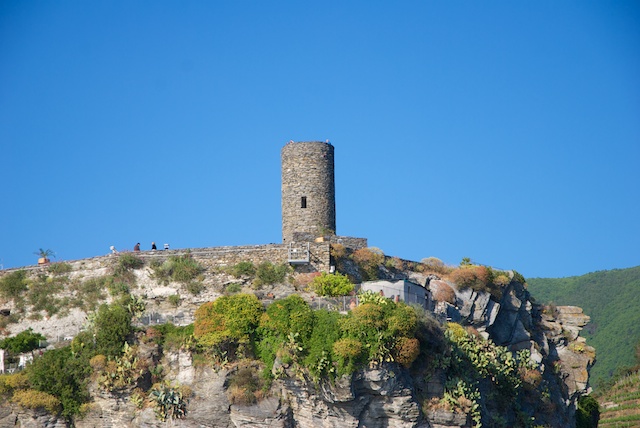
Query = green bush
x=232 y=288
x=172 y=336
x=13 y=285
x=379 y=327
x=244 y=268
x=24 y=341
x=326 y=331
x=182 y=269
x=185 y=268
x=268 y=273
x=111 y=328
x=63 y=375
x=174 y=300
x=348 y=352
x=59 y=268
x=331 y=285
x=127 y=261
x=125 y=264
x=228 y=324
x=289 y=320
x=195 y=287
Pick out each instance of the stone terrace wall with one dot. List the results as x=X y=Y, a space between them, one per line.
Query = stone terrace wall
x=209 y=257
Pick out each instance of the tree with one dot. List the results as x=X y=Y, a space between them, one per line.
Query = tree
x=24 y=341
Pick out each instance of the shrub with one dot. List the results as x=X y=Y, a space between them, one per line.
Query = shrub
x=182 y=269
x=331 y=285
x=234 y=287
x=174 y=300
x=530 y=377
x=112 y=325
x=185 y=268
x=228 y=322
x=98 y=363
x=117 y=288
x=348 y=352
x=24 y=341
x=13 y=285
x=289 y=320
x=171 y=336
x=59 y=373
x=244 y=386
x=289 y=315
x=368 y=261
x=406 y=351
x=517 y=277
x=470 y=276
x=11 y=382
x=268 y=273
x=442 y=292
x=59 y=268
x=244 y=268
x=338 y=251
x=396 y=263
x=195 y=287
x=325 y=333
x=33 y=399
x=127 y=262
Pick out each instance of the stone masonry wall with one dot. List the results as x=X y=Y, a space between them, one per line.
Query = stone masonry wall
x=307 y=173
x=210 y=257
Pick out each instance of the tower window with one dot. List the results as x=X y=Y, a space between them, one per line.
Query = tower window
x=303 y=202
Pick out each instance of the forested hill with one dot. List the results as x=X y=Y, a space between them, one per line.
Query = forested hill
x=612 y=300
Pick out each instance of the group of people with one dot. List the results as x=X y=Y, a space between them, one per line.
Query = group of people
x=137 y=247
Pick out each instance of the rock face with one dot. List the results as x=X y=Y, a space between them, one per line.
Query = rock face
x=382 y=396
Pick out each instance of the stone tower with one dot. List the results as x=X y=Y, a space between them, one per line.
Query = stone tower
x=308 y=190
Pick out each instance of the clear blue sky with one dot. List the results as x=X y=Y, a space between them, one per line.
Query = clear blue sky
x=507 y=132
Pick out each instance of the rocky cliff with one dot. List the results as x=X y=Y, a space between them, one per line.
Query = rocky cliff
x=497 y=331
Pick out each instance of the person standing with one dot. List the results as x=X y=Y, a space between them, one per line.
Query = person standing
x=153 y=246
x=136 y=247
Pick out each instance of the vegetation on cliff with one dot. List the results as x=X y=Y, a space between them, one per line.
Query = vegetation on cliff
x=265 y=339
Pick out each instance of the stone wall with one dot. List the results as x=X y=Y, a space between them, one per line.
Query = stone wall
x=209 y=257
x=308 y=189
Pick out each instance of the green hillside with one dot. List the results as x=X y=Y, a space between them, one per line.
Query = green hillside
x=612 y=300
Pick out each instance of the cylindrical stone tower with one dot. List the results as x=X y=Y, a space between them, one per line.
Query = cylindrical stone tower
x=308 y=189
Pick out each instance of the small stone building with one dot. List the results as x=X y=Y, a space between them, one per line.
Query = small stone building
x=401 y=290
